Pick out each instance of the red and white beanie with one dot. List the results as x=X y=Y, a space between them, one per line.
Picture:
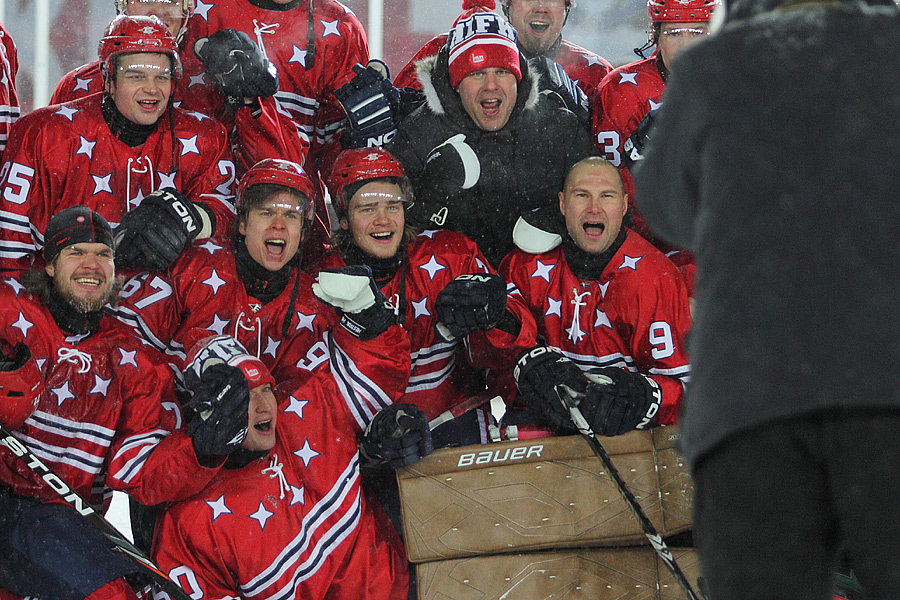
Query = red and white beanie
x=481 y=39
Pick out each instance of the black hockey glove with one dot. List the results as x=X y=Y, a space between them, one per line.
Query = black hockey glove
x=218 y=412
x=450 y=166
x=540 y=374
x=617 y=401
x=469 y=303
x=638 y=140
x=398 y=436
x=555 y=80
x=365 y=311
x=237 y=66
x=153 y=235
x=372 y=106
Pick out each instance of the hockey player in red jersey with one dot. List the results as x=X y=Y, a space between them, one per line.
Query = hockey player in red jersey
x=249 y=286
x=106 y=419
x=629 y=97
x=163 y=176
x=87 y=79
x=312 y=43
x=9 y=100
x=539 y=26
x=432 y=277
x=287 y=515
x=606 y=303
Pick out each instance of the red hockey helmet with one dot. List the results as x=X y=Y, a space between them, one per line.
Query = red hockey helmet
x=363 y=164
x=681 y=11
x=224 y=349
x=186 y=8
x=278 y=172
x=130 y=35
x=20 y=388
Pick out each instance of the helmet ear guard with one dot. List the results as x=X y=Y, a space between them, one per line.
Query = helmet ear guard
x=363 y=164
x=21 y=385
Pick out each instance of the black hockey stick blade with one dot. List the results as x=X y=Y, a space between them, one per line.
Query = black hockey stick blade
x=656 y=540
x=82 y=507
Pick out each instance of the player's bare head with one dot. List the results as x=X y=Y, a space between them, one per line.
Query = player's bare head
x=173 y=13
x=539 y=23
x=593 y=203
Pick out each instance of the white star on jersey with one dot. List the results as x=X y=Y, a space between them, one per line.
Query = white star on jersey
x=100 y=385
x=331 y=28
x=262 y=515
x=128 y=358
x=298 y=56
x=602 y=320
x=86 y=147
x=603 y=287
x=23 y=324
x=419 y=308
x=209 y=247
x=297 y=495
x=15 y=285
x=82 y=84
x=189 y=145
x=271 y=346
x=202 y=9
x=66 y=111
x=305 y=321
x=101 y=184
x=214 y=281
x=543 y=270
x=218 y=507
x=554 y=307
x=62 y=393
x=630 y=262
x=432 y=267
x=218 y=325
x=196 y=80
x=166 y=180
x=628 y=78
x=296 y=406
x=306 y=454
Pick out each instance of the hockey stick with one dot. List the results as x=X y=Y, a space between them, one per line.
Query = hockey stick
x=71 y=497
x=460 y=409
x=656 y=540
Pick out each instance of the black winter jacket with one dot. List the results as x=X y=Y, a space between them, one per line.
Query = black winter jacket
x=523 y=165
x=775 y=159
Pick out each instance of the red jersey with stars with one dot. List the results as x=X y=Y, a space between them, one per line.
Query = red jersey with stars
x=306 y=83
x=296 y=523
x=60 y=156
x=441 y=371
x=9 y=100
x=107 y=420
x=634 y=316
x=201 y=294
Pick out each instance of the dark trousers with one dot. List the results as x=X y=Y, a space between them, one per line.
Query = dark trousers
x=50 y=551
x=775 y=505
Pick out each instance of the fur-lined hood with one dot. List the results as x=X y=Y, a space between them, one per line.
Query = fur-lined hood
x=434 y=75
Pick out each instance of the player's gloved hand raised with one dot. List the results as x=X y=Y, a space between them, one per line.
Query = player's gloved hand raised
x=556 y=80
x=638 y=140
x=154 y=234
x=365 y=311
x=398 y=436
x=469 y=303
x=372 y=106
x=237 y=66
x=218 y=412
